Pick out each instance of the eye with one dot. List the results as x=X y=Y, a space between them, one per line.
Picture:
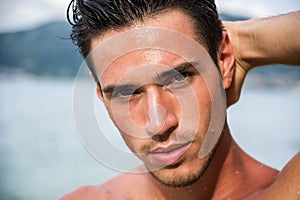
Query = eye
x=180 y=79
x=182 y=76
x=125 y=93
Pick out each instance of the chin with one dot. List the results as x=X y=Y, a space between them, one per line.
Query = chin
x=182 y=174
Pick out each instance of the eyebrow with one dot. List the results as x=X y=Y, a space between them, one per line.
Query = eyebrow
x=112 y=88
x=178 y=69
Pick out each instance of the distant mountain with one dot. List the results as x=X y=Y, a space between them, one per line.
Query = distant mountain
x=47 y=50
x=226 y=17
x=44 y=50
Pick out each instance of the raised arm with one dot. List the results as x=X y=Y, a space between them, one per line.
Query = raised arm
x=262 y=41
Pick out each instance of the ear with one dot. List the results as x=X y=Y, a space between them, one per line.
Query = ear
x=226 y=61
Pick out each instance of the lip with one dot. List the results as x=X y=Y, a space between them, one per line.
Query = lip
x=170 y=154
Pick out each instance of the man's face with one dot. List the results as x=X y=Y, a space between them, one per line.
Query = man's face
x=156 y=98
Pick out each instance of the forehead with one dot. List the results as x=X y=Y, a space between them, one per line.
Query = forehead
x=172 y=20
x=140 y=64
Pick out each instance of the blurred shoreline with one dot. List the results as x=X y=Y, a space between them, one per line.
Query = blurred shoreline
x=266 y=77
x=40 y=148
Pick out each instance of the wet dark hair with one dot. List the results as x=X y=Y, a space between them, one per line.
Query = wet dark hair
x=93 y=18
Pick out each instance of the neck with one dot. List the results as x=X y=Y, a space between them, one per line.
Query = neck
x=224 y=171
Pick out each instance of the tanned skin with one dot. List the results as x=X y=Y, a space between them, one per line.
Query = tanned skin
x=231 y=173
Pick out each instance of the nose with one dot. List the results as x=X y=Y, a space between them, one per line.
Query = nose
x=161 y=118
x=156 y=119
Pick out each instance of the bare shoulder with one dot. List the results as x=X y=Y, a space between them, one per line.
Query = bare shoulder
x=87 y=193
x=286 y=186
x=124 y=185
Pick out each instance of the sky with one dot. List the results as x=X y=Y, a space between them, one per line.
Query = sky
x=17 y=15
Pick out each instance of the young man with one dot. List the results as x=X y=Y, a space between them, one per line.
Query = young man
x=162 y=92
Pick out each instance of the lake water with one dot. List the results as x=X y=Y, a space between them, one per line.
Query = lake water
x=41 y=156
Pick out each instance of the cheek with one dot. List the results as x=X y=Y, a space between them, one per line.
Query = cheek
x=123 y=119
x=202 y=94
x=138 y=146
x=120 y=119
x=137 y=113
x=203 y=102
x=131 y=142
